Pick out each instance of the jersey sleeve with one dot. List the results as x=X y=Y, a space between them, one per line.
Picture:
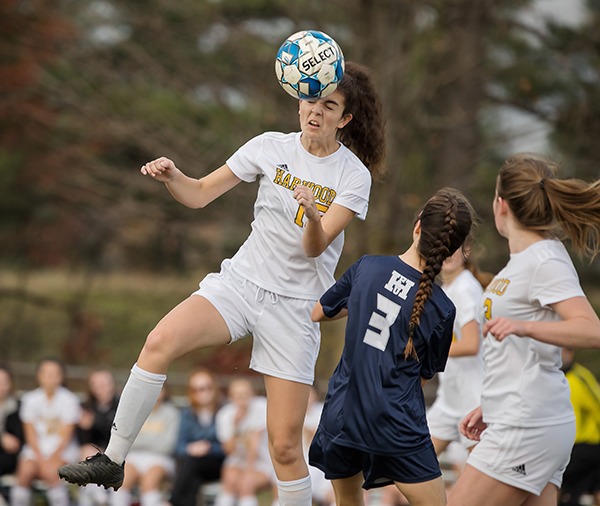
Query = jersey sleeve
x=555 y=280
x=336 y=298
x=467 y=304
x=438 y=347
x=27 y=411
x=243 y=162
x=72 y=412
x=355 y=194
x=224 y=423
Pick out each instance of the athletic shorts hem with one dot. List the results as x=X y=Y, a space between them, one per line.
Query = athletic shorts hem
x=223 y=314
x=281 y=375
x=483 y=468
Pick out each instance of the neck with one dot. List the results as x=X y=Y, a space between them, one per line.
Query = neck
x=412 y=257
x=519 y=238
x=321 y=147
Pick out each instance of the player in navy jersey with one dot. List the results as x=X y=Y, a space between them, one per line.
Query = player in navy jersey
x=373 y=430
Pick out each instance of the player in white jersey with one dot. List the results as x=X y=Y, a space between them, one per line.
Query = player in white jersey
x=311 y=184
x=50 y=414
x=534 y=305
x=459 y=390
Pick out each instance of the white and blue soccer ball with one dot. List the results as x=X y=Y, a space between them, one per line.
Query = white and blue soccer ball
x=309 y=65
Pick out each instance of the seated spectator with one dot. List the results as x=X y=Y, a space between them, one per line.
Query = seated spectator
x=582 y=475
x=150 y=460
x=93 y=430
x=322 y=490
x=49 y=414
x=199 y=452
x=242 y=429
x=11 y=429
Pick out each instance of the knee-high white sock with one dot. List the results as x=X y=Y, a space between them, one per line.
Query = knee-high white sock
x=225 y=499
x=121 y=497
x=248 y=500
x=137 y=401
x=58 y=495
x=20 y=496
x=295 y=493
x=151 y=498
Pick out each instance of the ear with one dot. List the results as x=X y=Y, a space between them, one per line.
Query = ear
x=345 y=120
x=417 y=229
x=502 y=205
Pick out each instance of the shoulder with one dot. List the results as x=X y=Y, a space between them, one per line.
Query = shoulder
x=66 y=394
x=276 y=138
x=466 y=283
x=32 y=396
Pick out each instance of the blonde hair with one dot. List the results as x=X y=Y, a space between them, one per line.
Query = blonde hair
x=540 y=201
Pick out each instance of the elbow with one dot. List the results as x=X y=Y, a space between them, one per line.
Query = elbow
x=313 y=251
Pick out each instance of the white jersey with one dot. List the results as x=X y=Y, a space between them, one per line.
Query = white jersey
x=273 y=257
x=49 y=416
x=459 y=391
x=254 y=421
x=523 y=385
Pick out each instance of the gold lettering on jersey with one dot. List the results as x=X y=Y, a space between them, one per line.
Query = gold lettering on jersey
x=399 y=285
x=324 y=196
x=498 y=286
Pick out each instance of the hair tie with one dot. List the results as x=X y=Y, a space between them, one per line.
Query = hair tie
x=542 y=184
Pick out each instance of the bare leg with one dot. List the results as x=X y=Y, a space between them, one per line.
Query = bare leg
x=439 y=445
x=348 y=492
x=475 y=488
x=286 y=409
x=428 y=493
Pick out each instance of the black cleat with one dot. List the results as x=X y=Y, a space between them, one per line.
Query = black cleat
x=97 y=469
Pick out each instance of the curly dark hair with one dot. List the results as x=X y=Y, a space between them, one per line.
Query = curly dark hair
x=365 y=134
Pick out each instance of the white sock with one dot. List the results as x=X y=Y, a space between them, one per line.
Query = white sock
x=248 y=500
x=151 y=498
x=20 y=496
x=121 y=497
x=295 y=493
x=225 y=499
x=137 y=401
x=92 y=494
x=58 y=495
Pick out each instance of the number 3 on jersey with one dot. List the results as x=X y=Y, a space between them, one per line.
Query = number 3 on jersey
x=391 y=310
x=487 y=305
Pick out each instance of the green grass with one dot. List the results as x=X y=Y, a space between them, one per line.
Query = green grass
x=119 y=310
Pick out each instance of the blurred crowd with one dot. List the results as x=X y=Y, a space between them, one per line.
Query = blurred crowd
x=214 y=440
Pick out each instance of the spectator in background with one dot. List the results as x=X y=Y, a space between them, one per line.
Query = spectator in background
x=242 y=429
x=93 y=430
x=322 y=490
x=11 y=429
x=151 y=460
x=199 y=452
x=582 y=475
x=50 y=414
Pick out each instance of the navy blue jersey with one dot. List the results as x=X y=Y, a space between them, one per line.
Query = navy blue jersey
x=375 y=401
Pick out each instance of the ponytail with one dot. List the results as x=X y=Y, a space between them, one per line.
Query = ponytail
x=568 y=208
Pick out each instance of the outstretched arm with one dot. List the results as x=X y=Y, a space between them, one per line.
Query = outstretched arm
x=579 y=328
x=193 y=193
x=320 y=232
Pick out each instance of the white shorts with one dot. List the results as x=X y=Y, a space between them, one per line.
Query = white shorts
x=525 y=457
x=143 y=461
x=70 y=453
x=444 y=426
x=286 y=341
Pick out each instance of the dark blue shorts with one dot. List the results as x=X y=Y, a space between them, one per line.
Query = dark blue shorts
x=339 y=462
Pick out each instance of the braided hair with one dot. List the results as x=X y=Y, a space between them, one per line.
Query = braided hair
x=446 y=221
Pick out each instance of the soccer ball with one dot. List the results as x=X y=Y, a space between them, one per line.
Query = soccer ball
x=309 y=65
